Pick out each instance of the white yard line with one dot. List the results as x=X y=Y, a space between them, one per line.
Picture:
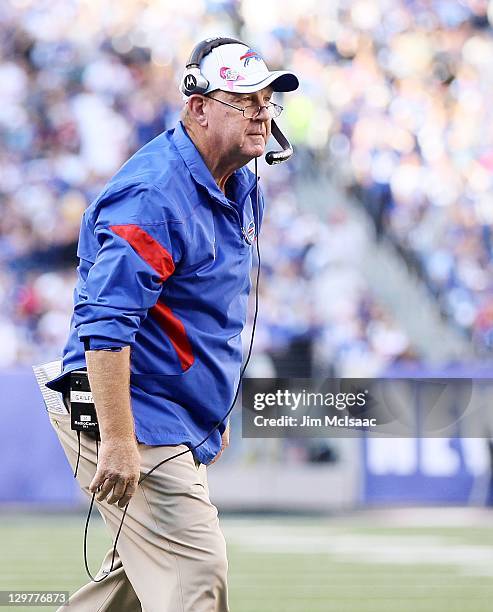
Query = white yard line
x=468 y=559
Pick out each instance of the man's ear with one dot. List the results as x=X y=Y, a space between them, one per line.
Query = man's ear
x=197 y=109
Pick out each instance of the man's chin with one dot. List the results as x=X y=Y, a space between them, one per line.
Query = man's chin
x=256 y=150
x=252 y=148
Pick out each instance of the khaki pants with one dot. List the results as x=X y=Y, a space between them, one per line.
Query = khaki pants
x=171 y=552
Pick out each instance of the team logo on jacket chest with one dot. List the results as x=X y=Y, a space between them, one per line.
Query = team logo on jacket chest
x=249 y=232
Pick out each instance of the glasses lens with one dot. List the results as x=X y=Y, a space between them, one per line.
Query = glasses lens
x=274 y=110
x=251 y=111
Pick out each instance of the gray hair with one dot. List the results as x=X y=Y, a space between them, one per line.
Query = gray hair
x=185 y=115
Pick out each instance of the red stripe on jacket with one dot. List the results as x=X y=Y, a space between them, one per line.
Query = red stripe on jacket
x=176 y=333
x=162 y=263
x=149 y=249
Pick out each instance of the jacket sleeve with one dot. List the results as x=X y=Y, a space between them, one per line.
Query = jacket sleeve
x=136 y=255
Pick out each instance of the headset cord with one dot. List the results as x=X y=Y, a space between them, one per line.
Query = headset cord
x=106 y=573
x=78 y=455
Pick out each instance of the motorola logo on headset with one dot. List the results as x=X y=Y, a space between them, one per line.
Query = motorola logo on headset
x=190 y=82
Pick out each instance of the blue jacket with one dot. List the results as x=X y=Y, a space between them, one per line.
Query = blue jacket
x=165 y=262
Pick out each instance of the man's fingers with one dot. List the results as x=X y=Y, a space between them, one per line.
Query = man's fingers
x=102 y=485
x=106 y=487
x=96 y=482
x=115 y=490
x=129 y=491
x=118 y=491
x=100 y=477
x=118 y=467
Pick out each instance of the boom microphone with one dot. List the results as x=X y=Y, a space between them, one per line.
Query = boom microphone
x=276 y=157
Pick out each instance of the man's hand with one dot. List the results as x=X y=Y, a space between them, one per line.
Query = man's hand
x=118 y=467
x=117 y=473
x=224 y=444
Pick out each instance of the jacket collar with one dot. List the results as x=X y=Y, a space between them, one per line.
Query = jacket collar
x=244 y=178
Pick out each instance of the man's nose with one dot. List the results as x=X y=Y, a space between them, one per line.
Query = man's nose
x=263 y=114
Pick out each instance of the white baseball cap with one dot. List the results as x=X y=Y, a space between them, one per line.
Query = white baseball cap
x=238 y=68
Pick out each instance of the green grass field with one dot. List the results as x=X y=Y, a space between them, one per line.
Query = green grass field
x=288 y=565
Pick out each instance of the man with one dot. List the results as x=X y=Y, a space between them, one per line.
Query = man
x=165 y=253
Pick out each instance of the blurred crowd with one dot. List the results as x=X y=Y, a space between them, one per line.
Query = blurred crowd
x=413 y=133
x=393 y=99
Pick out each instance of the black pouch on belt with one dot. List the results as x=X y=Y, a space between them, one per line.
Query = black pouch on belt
x=83 y=415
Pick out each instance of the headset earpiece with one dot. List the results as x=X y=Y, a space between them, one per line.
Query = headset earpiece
x=193 y=81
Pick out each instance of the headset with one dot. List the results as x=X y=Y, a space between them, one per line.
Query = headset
x=194 y=82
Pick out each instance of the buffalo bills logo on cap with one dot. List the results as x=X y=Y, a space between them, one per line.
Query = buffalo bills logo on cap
x=249 y=55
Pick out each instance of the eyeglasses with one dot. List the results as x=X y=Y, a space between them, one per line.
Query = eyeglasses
x=253 y=111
